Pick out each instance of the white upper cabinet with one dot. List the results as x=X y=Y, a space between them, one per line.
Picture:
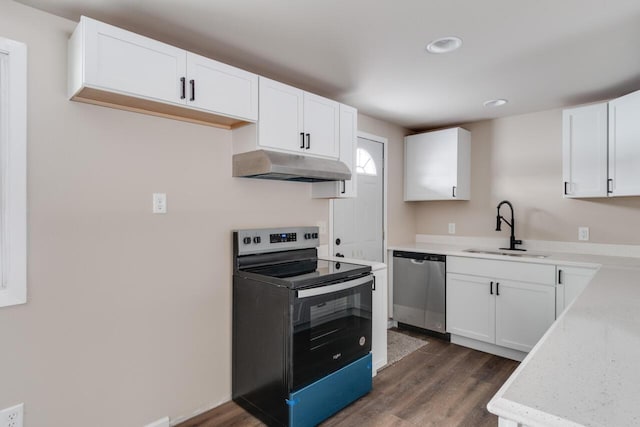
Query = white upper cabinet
x=437 y=165
x=296 y=121
x=117 y=68
x=321 y=126
x=120 y=61
x=624 y=145
x=584 y=151
x=281 y=124
x=214 y=86
x=348 y=147
x=601 y=149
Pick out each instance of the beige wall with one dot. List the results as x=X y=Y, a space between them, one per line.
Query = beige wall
x=129 y=314
x=519 y=158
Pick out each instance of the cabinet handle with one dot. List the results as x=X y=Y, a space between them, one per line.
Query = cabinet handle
x=373 y=288
x=301 y=139
x=344 y=187
x=565 y=187
x=453 y=191
x=610 y=185
x=559 y=277
x=308 y=141
x=193 y=90
x=491 y=288
x=497 y=288
x=183 y=81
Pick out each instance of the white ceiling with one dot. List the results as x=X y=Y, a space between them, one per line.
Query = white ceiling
x=538 y=54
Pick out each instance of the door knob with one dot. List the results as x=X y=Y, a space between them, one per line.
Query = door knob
x=339 y=255
x=338 y=241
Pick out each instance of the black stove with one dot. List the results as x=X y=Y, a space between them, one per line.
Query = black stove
x=301 y=327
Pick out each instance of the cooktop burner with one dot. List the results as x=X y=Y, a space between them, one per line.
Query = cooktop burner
x=305 y=273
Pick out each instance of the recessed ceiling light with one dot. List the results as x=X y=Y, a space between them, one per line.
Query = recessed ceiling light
x=495 y=102
x=444 y=45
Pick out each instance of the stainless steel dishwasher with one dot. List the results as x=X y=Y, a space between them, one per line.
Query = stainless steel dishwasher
x=419 y=290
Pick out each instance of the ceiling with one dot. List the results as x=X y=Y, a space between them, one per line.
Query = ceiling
x=539 y=54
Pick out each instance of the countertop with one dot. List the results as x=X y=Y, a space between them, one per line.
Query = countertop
x=584 y=370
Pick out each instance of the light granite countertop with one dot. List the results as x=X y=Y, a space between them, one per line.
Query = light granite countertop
x=585 y=370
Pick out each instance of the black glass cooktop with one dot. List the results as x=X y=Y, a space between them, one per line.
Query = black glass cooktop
x=304 y=273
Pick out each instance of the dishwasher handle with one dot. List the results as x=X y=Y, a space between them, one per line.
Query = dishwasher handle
x=417 y=261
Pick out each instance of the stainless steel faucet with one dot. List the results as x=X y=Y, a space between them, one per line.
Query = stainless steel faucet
x=512 y=240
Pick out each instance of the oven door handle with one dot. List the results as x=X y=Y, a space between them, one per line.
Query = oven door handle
x=337 y=287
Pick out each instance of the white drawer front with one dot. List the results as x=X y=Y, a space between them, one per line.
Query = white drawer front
x=498 y=269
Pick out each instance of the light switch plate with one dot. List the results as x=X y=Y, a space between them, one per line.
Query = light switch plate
x=583 y=233
x=452 y=228
x=159 y=203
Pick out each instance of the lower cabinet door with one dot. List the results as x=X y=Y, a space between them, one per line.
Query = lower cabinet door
x=524 y=312
x=471 y=307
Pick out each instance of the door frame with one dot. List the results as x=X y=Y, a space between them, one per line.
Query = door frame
x=384 y=142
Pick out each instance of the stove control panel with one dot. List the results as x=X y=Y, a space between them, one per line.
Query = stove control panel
x=264 y=240
x=284 y=237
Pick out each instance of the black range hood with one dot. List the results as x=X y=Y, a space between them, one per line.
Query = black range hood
x=266 y=164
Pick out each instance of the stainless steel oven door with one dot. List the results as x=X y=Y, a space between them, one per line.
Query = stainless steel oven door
x=331 y=328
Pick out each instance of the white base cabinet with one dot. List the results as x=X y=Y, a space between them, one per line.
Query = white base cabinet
x=380 y=318
x=571 y=282
x=113 y=67
x=437 y=165
x=506 y=303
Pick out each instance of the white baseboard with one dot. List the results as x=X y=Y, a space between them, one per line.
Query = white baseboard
x=199 y=411
x=489 y=348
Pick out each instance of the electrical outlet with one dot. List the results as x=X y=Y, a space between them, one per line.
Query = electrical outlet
x=452 y=228
x=12 y=417
x=159 y=203
x=583 y=233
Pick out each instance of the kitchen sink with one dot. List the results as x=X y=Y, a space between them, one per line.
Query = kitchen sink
x=506 y=253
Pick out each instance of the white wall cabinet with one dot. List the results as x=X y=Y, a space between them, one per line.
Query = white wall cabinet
x=601 y=149
x=584 y=151
x=117 y=68
x=571 y=281
x=624 y=145
x=437 y=165
x=296 y=121
x=505 y=303
x=348 y=147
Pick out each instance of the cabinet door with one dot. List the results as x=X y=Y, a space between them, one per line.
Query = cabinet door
x=584 y=151
x=321 y=126
x=221 y=88
x=348 y=146
x=380 y=319
x=124 y=62
x=280 y=124
x=470 y=307
x=624 y=145
x=437 y=165
x=571 y=282
x=524 y=312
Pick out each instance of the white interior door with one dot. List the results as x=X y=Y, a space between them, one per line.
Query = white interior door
x=358 y=222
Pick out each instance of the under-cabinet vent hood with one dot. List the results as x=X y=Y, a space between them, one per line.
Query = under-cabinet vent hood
x=266 y=164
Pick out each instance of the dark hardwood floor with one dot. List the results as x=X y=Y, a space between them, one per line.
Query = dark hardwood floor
x=440 y=384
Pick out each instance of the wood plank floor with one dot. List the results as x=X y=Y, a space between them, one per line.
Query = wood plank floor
x=440 y=384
